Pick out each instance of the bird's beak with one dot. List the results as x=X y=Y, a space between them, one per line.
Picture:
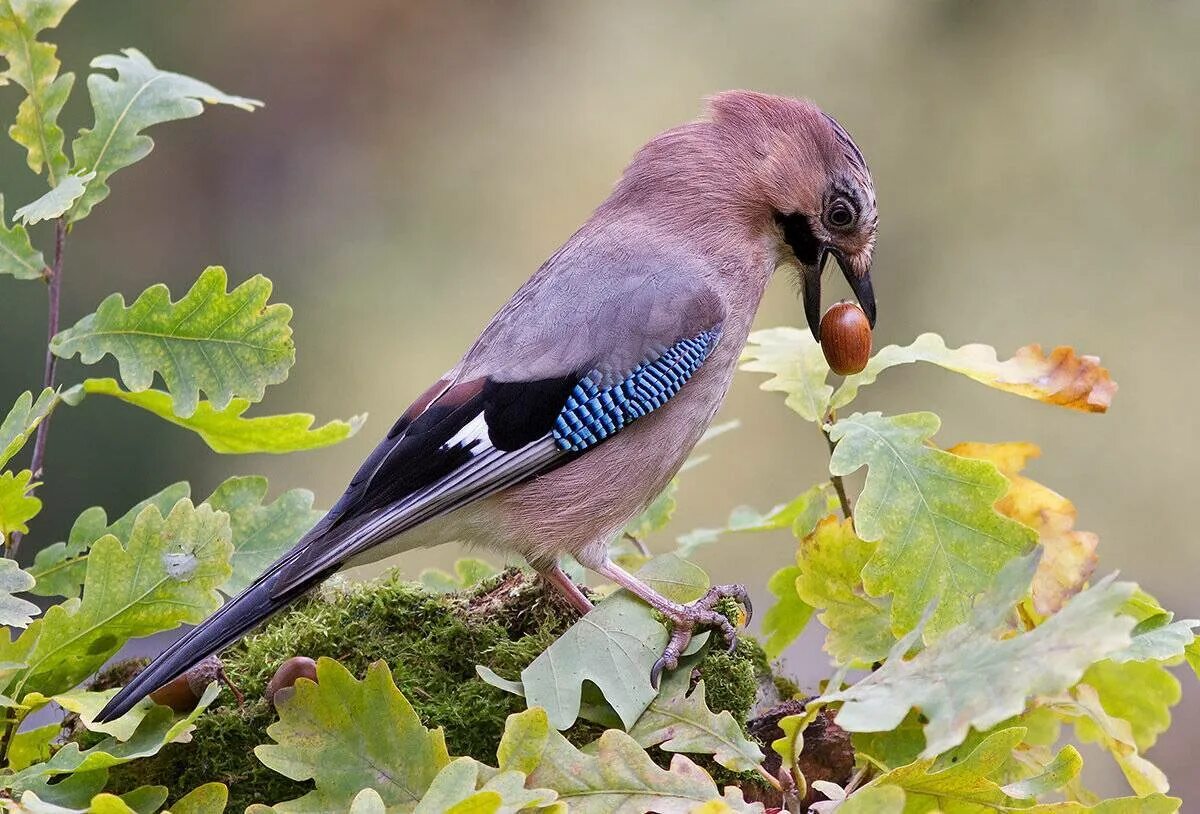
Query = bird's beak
x=860 y=284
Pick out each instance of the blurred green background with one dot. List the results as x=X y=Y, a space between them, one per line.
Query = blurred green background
x=1036 y=166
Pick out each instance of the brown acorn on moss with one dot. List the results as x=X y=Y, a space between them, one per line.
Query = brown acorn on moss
x=183 y=692
x=286 y=675
x=846 y=338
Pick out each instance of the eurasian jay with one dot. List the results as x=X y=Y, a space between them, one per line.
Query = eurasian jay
x=587 y=390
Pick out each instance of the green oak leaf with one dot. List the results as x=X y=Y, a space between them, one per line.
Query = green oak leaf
x=1140 y=692
x=932 y=513
x=262 y=532
x=17 y=506
x=60 y=568
x=453 y=791
x=227 y=431
x=618 y=776
x=166 y=576
x=140 y=96
x=787 y=617
x=32 y=746
x=366 y=801
x=800 y=514
x=677 y=721
x=17 y=255
x=457 y=790
x=978 y=674
x=87 y=705
x=523 y=741
x=14 y=611
x=468 y=571
x=34 y=66
x=905 y=743
x=1159 y=638
x=1149 y=804
x=874 y=800
x=24 y=417
x=1093 y=724
x=226 y=344
x=971 y=783
x=790 y=745
x=829 y=562
x=798 y=368
x=156 y=730
x=56 y=202
x=207 y=799
x=347 y=735
x=72 y=791
x=1059 y=772
x=1062 y=378
x=613 y=647
x=144 y=800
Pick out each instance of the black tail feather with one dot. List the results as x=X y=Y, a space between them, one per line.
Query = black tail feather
x=233 y=620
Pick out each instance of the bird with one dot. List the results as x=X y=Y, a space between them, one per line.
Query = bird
x=587 y=390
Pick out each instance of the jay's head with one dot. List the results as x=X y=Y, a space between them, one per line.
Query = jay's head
x=803 y=177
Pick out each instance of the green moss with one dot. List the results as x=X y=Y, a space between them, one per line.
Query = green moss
x=785 y=686
x=731 y=679
x=432 y=643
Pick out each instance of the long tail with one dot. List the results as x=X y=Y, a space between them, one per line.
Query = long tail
x=232 y=621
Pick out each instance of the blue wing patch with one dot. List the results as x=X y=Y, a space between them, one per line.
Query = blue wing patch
x=594 y=412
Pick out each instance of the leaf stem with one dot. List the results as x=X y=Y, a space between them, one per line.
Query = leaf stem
x=775 y=784
x=53 y=277
x=839 y=485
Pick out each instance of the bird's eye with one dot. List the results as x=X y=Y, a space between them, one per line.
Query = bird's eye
x=840 y=214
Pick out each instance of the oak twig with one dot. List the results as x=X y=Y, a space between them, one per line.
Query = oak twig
x=53 y=277
x=839 y=485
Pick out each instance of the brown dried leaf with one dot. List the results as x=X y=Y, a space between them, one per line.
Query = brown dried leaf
x=1063 y=378
x=1069 y=556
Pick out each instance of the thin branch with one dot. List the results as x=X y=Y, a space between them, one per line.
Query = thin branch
x=641 y=547
x=53 y=277
x=838 y=485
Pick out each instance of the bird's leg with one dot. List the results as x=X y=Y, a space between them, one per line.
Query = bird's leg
x=558 y=578
x=683 y=619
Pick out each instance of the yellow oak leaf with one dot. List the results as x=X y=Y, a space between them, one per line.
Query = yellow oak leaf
x=1069 y=555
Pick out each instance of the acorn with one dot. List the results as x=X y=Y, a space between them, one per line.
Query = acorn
x=846 y=338
x=183 y=692
x=286 y=675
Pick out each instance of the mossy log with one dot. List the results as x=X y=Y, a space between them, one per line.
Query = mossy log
x=432 y=643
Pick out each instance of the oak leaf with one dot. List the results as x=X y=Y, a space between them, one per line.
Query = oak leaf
x=979 y=673
x=34 y=65
x=228 y=431
x=140 y=96
x=620 y=778
x=226 y=344
x=932 y=513
x=1062 y=378
x=1069 y=556
x=347 y=735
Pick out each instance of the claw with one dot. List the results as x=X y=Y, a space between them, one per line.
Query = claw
x=669 y=660
x=684 y=619
x=735 y=592
x=657 y=670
